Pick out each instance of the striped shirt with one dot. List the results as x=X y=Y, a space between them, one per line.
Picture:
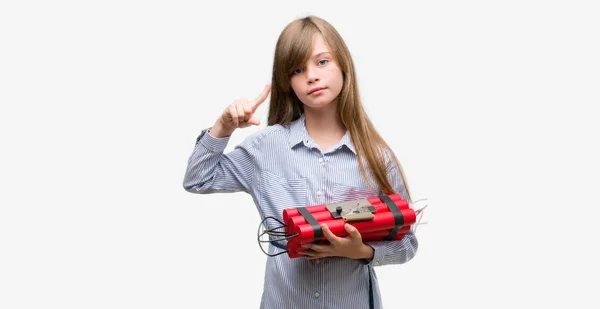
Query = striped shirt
x=281 y=167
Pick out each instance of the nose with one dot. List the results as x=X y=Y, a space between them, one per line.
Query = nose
x=311 y=75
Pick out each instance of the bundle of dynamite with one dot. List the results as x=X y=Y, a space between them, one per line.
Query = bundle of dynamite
x=384 y=217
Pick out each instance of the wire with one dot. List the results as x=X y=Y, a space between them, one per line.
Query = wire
x=281 y=236
x=419 y=212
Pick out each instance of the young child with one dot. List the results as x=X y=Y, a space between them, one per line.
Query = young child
x=319 y=147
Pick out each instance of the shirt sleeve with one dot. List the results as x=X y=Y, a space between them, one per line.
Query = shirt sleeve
x=210 y=170
x=395 y=251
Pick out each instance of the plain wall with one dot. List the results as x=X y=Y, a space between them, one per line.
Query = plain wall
x=490 y=106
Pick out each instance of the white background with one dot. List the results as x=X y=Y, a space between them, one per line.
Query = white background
x=492 y=108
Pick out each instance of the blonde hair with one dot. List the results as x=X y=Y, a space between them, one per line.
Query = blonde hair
x=294 y=48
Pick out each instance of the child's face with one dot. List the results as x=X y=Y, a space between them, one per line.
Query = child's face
x=320 y=80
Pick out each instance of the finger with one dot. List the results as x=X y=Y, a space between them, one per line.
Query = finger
x=240 y=113
x=247 y=109
x=352 y=231
x=329 y=235
x=304 y=252
x=261 y=97
x=311 y=254
x=318 y=248
x=233 y=114
x=254 y=121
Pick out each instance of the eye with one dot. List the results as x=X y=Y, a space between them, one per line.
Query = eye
x=297 y=71
x=323 y=61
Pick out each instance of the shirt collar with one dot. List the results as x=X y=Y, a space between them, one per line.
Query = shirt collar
x=347 y=141
x=297 y=131
x=299 y=135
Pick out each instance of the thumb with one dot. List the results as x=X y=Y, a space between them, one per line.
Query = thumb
x=352 y=231
x=253 y=120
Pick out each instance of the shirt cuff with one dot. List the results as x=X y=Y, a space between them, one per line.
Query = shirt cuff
x=378 y=254
x=211 y=143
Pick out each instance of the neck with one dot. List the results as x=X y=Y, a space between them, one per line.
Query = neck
x=324 y=125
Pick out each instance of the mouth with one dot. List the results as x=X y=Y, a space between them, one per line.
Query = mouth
x=316 y=90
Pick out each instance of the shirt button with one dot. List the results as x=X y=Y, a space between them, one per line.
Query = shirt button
x=319 y=193
x=317 y=294
x=320 y=160
x=376 y=263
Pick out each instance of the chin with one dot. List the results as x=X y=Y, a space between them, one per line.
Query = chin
x=316 y=106
x=320 y=103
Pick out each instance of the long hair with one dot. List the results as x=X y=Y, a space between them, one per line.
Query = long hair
x=293 y=48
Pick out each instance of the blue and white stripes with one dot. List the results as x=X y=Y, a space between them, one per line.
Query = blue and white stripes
x=283 y=167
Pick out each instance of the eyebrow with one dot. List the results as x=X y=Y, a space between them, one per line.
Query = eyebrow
x=320 y=54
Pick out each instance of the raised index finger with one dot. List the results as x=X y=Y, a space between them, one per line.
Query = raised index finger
x=261 y=97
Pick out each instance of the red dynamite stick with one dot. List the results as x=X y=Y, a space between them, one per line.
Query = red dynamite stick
x=379 y=235
x=323 y=216
x=381 y=221
x=294 y=243
x=372 y=236
x=294 y=253
x=294 y=247
x=375 y=201
x=291 y=216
